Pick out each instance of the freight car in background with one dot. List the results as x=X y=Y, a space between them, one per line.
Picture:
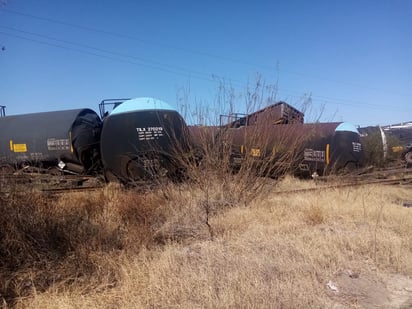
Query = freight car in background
x=67 y=140
x=387 y=143
x=277 y=113
x=275 y=141
x=217 y=142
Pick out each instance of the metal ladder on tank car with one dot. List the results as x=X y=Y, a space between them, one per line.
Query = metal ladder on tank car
x=109 y=102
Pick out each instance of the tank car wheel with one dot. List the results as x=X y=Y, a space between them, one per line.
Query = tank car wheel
x=138 y=171
x=143 y=168
x=134 y=170
x=110 y=176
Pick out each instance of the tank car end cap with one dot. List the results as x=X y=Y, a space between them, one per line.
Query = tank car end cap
x=347 y=126
x=142 y=104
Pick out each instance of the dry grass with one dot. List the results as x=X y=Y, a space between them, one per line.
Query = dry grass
x=122 y=249
x=65 y=243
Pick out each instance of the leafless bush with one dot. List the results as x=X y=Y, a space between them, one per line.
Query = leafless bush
x=225 y=166
x=65 y=241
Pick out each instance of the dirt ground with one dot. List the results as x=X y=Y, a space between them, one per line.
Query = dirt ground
x=370 y=290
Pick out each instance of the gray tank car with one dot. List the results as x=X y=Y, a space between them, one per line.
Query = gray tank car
x=68 y=139
x=388 y=143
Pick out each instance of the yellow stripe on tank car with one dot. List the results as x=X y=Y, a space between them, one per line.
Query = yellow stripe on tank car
x=327 y=154
x=11 y=145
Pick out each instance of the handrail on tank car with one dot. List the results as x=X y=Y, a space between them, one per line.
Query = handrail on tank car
x=2 y=110
x=114 y=102
x=233 y=119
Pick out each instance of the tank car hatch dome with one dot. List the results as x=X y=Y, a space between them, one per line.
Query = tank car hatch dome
x=347 y=126
x=141 y=104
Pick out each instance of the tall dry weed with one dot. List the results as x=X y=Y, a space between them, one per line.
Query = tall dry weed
x=278 y=252
x=65 y=241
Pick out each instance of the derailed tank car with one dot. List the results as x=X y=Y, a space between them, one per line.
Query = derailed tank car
x=68 y=139
x=272 y=150
x=335 y=147
x=143 y=138
x=387 y=143
x=402 y=132
x=319 y=148
x=274 y=140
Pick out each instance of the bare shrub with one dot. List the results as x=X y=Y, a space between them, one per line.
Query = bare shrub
x=234 y=158
x=64 y=242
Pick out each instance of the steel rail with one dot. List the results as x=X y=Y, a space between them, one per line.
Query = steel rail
x=407 y=181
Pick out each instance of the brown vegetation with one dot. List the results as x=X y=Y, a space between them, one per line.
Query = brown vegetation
x=185 y=246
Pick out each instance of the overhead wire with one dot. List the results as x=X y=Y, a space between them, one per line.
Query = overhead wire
x=192 y=74
x=142 y=61
x=197 y=52
x=116 y=56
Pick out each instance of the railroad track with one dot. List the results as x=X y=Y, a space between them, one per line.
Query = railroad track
x=337 y=186
x=60 y=184
x=366 y=174
x=402 y=177
x=56 y=191
x=49 y=184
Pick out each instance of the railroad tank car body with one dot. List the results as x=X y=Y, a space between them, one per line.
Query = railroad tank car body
x=143 y=138
x=204 y=140
x=45 y=139
x=336 y=146
x=303 y=148
x=387 y=143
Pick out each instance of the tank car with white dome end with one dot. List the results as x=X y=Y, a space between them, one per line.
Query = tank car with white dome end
x=139 y=139
x=142 y=138
x=311 y=148
x=276 y=140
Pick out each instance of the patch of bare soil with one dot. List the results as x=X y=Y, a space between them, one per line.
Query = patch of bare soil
x=370 y=290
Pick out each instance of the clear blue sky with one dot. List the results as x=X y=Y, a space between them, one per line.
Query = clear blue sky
x=354 y=57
